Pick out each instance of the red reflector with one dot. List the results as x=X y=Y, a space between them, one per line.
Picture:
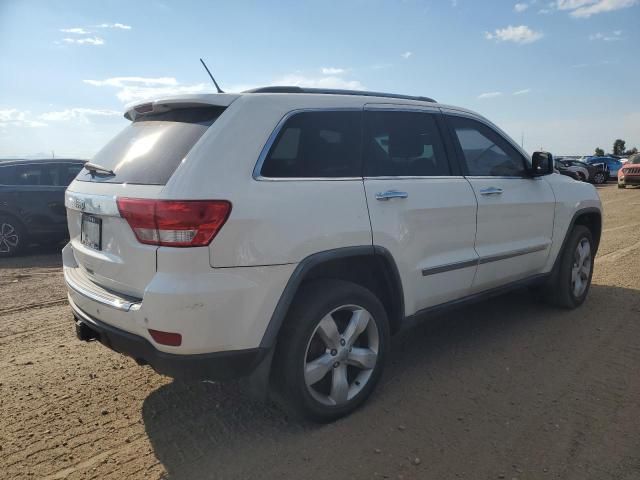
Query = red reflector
x=166 y=338
x=174 y=223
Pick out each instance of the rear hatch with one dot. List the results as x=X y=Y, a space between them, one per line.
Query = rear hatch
x=137 y=164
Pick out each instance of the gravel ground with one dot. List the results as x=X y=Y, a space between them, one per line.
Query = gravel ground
x=508 y=388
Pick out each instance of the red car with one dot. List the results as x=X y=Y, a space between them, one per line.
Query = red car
x=629 y=174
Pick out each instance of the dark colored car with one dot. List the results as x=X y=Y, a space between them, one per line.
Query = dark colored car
x=564 y=170
x=613 y=164
x=598 y=173
x=32 y=202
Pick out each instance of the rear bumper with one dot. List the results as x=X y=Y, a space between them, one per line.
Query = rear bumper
x=204 y=366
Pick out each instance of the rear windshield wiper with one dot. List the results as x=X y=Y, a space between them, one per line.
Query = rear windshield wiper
x=94 y=168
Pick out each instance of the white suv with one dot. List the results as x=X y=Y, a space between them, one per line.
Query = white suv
x=283 y=234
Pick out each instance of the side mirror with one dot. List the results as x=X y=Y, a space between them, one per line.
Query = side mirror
x=541 y=164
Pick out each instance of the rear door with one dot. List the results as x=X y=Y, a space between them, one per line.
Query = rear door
x=422 y=209
x=515 y=211
x=142 y=157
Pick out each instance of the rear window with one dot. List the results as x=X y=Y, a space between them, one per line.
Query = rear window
x=322 y=144
x=150 y=149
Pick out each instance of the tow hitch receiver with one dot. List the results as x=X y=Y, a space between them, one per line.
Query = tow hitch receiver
x=85 y=333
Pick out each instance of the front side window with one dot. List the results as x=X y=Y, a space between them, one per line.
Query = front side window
x=403 y=144
x=316 y=144
x=484 y=151
x=30 y=175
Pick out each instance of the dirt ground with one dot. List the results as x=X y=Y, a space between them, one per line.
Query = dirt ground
x=508 y=388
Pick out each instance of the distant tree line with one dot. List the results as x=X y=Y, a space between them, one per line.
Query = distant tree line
x=619 y=149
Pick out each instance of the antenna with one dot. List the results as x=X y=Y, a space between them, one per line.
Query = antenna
x=213 y=79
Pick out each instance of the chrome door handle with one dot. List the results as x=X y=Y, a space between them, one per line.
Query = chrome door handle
x=389 y=194
x=491 y=191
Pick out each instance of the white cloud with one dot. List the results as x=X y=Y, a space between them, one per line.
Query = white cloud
x=406 y=55
x=133 y=89
x=522 y=92
x=332 y=70
x=587 y=8
x=120 y=26
x=84 y=41
x=17 y=118
x=520 y=34
x=75 y=30
x=520 y=7
x=616 y=35
x=489 y=95
x=79 y=113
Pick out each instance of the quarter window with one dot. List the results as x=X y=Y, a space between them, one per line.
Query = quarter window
x=316 y=144
x=484 y=151
x=404 y=144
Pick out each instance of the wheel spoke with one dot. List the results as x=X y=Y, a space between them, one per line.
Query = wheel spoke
x=328 y=332
x=574 y=274
x=11 y=240
x=364 y=358
x=357 y=325
x=4 y=246
x=315 y=370
x=339 y=385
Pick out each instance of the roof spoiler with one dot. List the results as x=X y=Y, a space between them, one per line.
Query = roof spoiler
x=139 y=109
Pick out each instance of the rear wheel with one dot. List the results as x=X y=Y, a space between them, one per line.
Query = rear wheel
x=12 y=236
x=331 y=350
x=570 y=284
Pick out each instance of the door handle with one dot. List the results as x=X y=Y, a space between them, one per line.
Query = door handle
x=389 y=194
x=491 y=191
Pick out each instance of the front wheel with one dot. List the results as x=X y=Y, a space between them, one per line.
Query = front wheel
x=331 y=350
x=599 y=178
x=569 y=286
x=581 y=177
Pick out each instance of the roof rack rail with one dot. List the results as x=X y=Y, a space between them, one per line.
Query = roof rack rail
x=330 y=91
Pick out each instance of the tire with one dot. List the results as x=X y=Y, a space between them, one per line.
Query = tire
x=621 y=186
x=316 y=372
x=12 y=236
x=599 y=178
x=581 y=177
x=570 y=284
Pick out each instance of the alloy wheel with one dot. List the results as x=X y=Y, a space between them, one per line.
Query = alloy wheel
x=9 y=238
x=581 y=269
x=341 y=355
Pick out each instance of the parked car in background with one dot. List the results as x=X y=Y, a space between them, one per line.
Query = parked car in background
x=612 y=163
x=564 y=170
x=595 y=173
x=629 y=174
x=32 y=202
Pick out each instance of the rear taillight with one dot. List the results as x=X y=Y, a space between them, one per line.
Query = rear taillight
x=174 y=223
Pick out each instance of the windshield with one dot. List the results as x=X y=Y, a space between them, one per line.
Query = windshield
x=634 y=160
x=150 y=149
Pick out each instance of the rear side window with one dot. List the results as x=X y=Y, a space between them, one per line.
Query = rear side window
x=316 y=144
x=484 y=151
x=150 y=149
x=404 y=144
x=30 y=175
x=68 y=172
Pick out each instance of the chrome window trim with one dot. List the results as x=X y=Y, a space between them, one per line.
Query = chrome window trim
x=448 y=267
x=103 y=205
x=501 y=133
x=416 y=177
x=257 y=175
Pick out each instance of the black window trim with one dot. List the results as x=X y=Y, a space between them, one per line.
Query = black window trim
x=257 y=169
x=497 y=131
x=450 y=153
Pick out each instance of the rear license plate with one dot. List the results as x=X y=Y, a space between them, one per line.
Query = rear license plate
x=91 y=232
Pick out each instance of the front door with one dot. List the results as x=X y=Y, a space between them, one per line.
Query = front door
x=515 y=210
x=421 y=208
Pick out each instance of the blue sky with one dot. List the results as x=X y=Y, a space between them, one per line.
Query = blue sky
x=565 y=73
